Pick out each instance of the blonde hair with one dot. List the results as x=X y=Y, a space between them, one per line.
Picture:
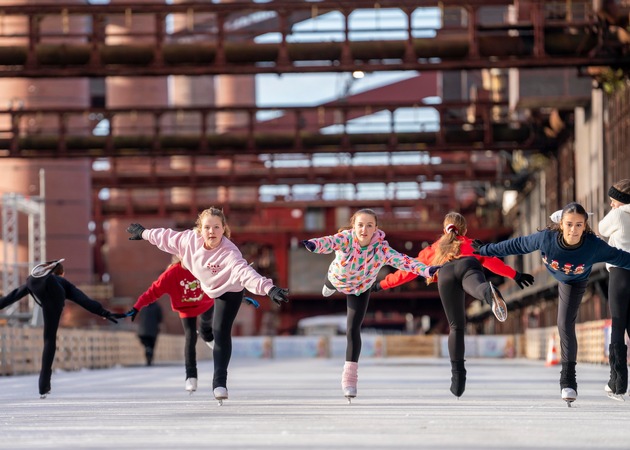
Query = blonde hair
x=623 y=186
x=447 y=248
x=212 y=211
x=354 y=218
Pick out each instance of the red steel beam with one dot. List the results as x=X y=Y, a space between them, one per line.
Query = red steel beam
x=461 y=126
x=538 y=41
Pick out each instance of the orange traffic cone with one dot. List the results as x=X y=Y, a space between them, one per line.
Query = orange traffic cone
x=552 y=352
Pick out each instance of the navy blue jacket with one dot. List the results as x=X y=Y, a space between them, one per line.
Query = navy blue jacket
x=565 y=265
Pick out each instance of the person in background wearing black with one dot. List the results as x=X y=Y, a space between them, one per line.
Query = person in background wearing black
x=149 y=328
x=50 y=290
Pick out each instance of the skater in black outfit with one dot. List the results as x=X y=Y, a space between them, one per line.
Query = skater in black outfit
x=50 y=290
x=149 y=328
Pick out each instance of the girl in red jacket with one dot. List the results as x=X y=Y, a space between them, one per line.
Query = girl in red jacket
x=461 y=274
x=189 y=300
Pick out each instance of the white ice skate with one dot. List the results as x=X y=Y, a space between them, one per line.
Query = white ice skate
x=349 y=378
x=220 y=394
x=569 y=395
x=611 y=394
x=191 y=385
x=43 y=269
x=44 y=395
x=499 y=308
x=327 y=292
x=350 y=392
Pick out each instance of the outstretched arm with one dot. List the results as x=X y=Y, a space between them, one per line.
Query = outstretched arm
x=401 y=276
x=13 y=296
x=80 y=298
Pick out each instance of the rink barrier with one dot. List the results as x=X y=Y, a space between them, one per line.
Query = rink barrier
x=21 y=347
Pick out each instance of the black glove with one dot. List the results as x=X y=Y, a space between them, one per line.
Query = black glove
x=110 y=316
x=278 y=295
x=523 y=279
x=133 y=312
x=135 y=230
x=376 y=287
x=476 y=245
x=310 y=246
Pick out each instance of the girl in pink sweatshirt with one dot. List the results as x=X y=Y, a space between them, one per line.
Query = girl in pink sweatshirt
x=223 y=274
x=360 y=252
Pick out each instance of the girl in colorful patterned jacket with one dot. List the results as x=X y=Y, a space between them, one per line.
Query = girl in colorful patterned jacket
x=461 y=274
x=223 y=274
x=189 y=300
x=616 y=227
x=569 y=248
x=360 y=252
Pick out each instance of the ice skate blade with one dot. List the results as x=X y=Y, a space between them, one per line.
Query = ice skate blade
x=618 y=397
x=349 y=398
x=220 y=402
x=569 y=402
x=499 y=307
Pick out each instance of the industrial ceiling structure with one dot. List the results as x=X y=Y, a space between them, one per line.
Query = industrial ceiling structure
x=469 y=156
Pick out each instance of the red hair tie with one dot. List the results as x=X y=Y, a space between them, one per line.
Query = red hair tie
x=451 y=228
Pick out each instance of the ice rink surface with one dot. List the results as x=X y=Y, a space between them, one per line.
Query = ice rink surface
x=402 y=403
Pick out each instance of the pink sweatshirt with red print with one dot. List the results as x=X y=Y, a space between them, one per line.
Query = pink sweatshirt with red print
x=355 y=268
x=184 y=290
x=219 y=270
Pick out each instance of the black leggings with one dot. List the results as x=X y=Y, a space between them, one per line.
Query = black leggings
x=52 y=316
x=570 y=297
x=225 y=309
x=51 y=296
x=619 y=301
x=456 y=279
x=190 y=333
x=357 y=307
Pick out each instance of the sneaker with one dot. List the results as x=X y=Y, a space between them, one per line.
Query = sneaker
x=569 y=394
x=327 y=292
x=191 y=384
x=499 y=307
x=220 y=393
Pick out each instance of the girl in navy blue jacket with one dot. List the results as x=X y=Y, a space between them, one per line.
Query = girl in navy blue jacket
x=568 y=249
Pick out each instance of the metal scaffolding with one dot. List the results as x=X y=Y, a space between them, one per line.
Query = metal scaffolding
x=34 y=207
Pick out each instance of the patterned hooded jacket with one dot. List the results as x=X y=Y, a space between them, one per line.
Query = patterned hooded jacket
x=355 y=268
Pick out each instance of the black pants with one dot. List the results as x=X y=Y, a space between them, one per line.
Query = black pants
x=51 y=296
x=456 y=279
x=149 y=347
x=357 y=307
x=52 y=316
x=619 y=301
x=570 y=297
x=225 y=309
x=190 y=333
